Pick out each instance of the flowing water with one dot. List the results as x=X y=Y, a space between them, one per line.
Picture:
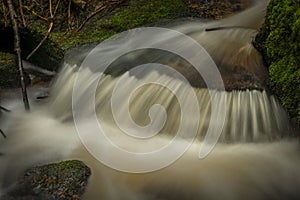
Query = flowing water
x=254 y=159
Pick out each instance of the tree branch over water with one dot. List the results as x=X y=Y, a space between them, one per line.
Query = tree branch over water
x=17 y=48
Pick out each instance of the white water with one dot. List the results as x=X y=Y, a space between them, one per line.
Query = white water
x=250 y=162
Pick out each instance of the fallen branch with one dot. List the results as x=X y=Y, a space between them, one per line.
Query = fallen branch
x=2 y=133
x=4 y=109
x=33 y=69
x=42 y=97
x=223 y=28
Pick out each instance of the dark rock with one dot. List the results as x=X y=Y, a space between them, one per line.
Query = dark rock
x=49 y=55
x=66 y=180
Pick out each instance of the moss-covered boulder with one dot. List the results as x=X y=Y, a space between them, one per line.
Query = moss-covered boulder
x=48 y=56
x=60 y=181
x=136 y=13
x=279 y=41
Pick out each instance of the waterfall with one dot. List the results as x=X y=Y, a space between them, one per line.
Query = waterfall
x=255 y=157
x=251 y=116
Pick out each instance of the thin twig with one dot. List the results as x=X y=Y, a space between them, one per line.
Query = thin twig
x=2 y=133
x=50 y=28
x=100 y=8
x=4 y=109
x=22 y=13
x=33 y=12
x=69 y=15
x=42 y=41
x=38 y=4
x=108 y=6
x=56 y=7
x=4 y=14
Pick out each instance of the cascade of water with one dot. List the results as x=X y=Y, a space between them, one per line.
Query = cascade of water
x=250 y=116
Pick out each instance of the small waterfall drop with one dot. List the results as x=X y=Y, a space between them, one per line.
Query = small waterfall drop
x=251 y=116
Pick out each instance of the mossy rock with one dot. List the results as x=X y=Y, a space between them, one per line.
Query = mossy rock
x=48 y=56
x=137 y=13
x=66 y=180
x=279 y=41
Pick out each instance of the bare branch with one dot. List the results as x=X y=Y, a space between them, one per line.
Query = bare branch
x=100 y=8
x=36 y=14
x=5 y=14
x=50 y=9
x=13 y=17
x=69 y=15
x=56 y=7
x=42 y=41
x=4 y=109
x=106 y=6
x=22 y=13
x=50 y=28
x=2 y=133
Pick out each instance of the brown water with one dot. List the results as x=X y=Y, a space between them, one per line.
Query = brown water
x=254 y=159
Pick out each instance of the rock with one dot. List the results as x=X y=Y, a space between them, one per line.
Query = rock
x=66 y=180
x=279 y=40
x=49 y=55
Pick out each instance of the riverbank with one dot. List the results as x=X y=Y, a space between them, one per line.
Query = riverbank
x=279 y=42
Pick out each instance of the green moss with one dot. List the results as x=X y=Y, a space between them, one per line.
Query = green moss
x=64 y=180
x=6 y=57
x=280 y=44
x=137 y=13
x=285 y=81
x=141 y=12
x=8 y=70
